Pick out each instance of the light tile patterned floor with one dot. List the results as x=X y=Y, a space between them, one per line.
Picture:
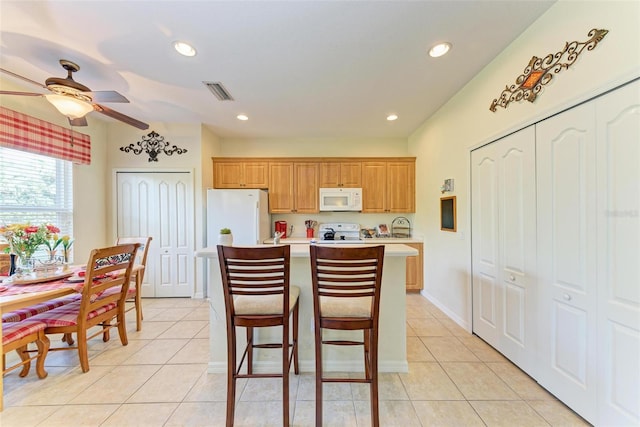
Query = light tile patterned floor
x=160 y=379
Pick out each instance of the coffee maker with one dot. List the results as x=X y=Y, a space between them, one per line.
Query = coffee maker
x=281 y=227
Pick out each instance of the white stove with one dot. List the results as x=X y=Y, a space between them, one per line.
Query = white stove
x=339 y=232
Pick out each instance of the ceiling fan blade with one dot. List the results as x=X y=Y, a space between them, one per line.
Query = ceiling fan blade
x=10 y=92
x=106 y=96
x=119 y=116
x=82 y=121
x=18 y=76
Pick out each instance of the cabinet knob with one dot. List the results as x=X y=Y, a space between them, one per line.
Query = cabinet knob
x=567 y=297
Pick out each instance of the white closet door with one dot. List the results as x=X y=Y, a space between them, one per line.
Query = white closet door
x=566 y=175
x=503 y=246
x=160 y=205
x=618 y=243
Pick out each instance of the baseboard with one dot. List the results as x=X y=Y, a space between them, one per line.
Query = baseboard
x=433 y=300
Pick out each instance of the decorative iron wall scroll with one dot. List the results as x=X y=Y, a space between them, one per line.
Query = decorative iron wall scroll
x=540 y=71
x=153 y=144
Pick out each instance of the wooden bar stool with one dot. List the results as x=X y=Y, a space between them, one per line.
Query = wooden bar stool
x=257 y=294
x=346 y=296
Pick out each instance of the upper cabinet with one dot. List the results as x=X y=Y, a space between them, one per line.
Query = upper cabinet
x=240 y=174
x=388 y=183
x=341 y=174
x=294 y=187
x=388 y=186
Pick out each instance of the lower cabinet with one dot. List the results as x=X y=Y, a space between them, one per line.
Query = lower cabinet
x=415 y=266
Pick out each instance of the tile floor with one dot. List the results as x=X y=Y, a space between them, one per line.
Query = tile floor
x=160 y=379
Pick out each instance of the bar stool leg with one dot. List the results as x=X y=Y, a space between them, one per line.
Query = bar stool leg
x=285 y=375
x=249 y=350
x=296 y=316
x=318 y=336
x=372 y=339
x=231 y=374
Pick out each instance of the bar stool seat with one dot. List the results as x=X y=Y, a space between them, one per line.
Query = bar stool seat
x=346 y=296
x=257 y=294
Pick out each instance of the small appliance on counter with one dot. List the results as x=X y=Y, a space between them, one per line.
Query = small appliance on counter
x=281 y=227
x=339 y=232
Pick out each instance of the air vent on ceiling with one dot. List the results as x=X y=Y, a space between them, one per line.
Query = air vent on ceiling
x=219 y=91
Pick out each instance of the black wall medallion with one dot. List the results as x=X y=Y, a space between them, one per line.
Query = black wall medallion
x=153 y=144
x=540 y=71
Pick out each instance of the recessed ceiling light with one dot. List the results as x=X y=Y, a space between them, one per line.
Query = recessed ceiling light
x=184 y=48
x=242 y=117
x=392 y=117
x=439 y=49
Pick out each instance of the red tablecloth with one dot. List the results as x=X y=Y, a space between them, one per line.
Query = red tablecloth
x=13 y=289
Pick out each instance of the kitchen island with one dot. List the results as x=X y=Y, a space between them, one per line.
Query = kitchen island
x=392 y=348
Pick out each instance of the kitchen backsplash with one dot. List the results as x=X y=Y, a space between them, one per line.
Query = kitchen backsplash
x=365 y=220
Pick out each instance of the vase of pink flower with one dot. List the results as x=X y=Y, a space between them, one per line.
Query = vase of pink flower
x=24 y=240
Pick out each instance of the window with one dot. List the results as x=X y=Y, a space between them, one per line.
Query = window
x=36 y=189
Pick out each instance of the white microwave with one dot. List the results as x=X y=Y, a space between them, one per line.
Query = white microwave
x=340 y=199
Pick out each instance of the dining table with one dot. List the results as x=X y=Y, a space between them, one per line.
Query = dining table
x=16 y=294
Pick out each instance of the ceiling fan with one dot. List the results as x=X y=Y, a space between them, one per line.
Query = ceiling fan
x=75 y=100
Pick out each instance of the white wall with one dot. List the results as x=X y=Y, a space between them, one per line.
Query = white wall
x=89 y=181
x=442 y=143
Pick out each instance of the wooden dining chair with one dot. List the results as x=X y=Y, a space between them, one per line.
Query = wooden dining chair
x=257 y=294
x=104 y=293
x=137 y=275
x=346 y=296
x=17 y=336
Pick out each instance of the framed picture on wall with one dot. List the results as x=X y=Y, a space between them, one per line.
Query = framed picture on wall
x=448 y=213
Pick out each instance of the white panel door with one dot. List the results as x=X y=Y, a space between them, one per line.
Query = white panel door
x=618 y=245
x=503 y=245
x=160 y=205
x=566 y=178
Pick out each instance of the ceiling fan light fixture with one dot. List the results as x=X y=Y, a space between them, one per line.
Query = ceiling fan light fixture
x=439 y=49
x=184 y=48
x=71 y=107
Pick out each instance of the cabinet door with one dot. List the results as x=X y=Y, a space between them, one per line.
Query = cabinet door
x=504 y=246
x=329 y=174
x=256 y=175
x=241 y=174
x=227 y=175
x=401 y=187
x=374 y=186
x=306 y=198
x=351 y=174
x=281 y=187
x=415 y=269
x=341 y=174
x=566 y=175
x=618 y=246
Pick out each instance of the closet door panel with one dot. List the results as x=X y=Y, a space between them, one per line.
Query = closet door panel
x=618 y=115
x=503 y=246
x=567 y=270
x=485 y=244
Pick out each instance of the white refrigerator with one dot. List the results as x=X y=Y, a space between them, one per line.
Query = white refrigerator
x=244 y=212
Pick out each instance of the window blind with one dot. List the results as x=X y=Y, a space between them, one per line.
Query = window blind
x=36 y=189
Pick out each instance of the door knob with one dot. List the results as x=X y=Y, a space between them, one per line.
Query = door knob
x=567 y=297
x=512 y=278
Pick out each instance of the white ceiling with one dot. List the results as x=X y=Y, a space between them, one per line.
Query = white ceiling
x=297 y=69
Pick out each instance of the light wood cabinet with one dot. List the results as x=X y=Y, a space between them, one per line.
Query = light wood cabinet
x=341 y=174
x=415 y=266
x=294 y=187
x=241 y=174
x=388 y=187
x=388 y=183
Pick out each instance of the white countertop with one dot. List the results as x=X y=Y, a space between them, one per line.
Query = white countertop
x=301 y=250
x=371 y=241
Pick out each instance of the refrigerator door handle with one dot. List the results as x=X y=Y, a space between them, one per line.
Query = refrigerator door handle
x=257 y=220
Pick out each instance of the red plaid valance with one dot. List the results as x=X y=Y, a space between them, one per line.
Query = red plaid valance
x=26 y=133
